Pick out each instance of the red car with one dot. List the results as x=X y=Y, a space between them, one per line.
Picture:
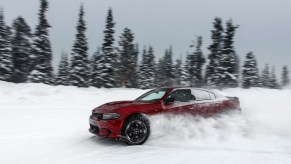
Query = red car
x=129 y=121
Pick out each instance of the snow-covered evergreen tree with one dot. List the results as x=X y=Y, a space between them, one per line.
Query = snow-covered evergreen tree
x=42 y=71
x=165 y=71
x=250 y=77
x=127 y=63
x=184 y=74
x=6 y=64
x=227 y=69
x=190 y=68
x=147 y=69
x=63 y=76
x=160 y=77
x=151 y=67
x=80 y=72
x=21 y=49
x=198 y=61
x=194 y=64
x=169 y=70
x=96 y=65
x=108 y=69
x=285 y=76
x=135 y=76
x=142 y=69
x=265 y=77
x=212 y=77
x=260 y=81
x=178 y=71
x=273 y=80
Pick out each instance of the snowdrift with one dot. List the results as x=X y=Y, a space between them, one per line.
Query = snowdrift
x=45 y=124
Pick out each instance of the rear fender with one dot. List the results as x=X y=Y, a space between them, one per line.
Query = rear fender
x=235 y=102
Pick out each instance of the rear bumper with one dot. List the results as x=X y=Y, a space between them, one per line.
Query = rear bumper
x=105 y=128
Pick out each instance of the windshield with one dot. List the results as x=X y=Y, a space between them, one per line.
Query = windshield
x=153 y=95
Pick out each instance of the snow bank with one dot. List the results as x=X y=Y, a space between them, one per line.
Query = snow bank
x=45 y=124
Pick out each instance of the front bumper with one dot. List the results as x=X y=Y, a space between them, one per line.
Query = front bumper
x=105 y=128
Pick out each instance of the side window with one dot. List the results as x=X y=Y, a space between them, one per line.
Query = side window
x=182 y=95
x=212 y=96
x=202 y=95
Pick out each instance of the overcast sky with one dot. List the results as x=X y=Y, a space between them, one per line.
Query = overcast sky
x=265 y=25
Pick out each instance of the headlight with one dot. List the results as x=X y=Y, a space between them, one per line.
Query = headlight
x=110 y=116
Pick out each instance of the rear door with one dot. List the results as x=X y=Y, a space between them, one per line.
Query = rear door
x=205 y=103
x=183 y=101
x=221 y=103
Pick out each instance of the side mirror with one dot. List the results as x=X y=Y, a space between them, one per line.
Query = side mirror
x=169 y=100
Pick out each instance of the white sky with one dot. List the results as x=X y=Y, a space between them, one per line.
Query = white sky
x=265 y=25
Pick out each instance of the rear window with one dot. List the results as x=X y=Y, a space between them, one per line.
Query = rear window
x=203 y=95
x=212 y=96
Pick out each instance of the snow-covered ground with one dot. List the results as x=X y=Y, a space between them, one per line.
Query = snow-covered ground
x=45 y=124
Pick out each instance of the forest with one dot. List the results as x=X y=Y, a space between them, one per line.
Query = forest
x=26 y=56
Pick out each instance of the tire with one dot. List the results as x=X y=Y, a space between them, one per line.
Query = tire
x=136 y=130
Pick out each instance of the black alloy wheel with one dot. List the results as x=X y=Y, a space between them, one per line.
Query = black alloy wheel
x=136 y=130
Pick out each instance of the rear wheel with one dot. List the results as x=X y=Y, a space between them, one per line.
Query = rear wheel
x=136 y=130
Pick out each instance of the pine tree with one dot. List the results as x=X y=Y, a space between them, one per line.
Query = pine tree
x=127 y=66
x=160 y=77
x=228 y=62
x=178 y=71
x=147 y=69
x=165 y=71
x=190 y=68
x=42 y=71
x=108 y=69
x=142 y=69
x=250 y=75
x=285 y=76
x=199 y=61
x=273 y=80
x=63 y=77
x=96 y=65
x=168 y=71
x=260 y=81
x=266 y=77
x=135 y=76
x=184 y=74
x=6 y=64
x=194 y=64
x=151 y=67
x=79 y=72
x=212 y=77
x=21 y=49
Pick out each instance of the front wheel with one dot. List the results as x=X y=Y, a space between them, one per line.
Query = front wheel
x=136 y=130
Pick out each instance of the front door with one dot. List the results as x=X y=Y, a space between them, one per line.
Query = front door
x=183 y=102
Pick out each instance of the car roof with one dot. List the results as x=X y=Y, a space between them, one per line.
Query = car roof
x=189 y=87
x=181 y=87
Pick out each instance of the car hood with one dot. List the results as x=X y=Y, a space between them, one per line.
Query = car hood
x=112 y=106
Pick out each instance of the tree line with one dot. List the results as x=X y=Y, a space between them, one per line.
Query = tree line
x=26 y=56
